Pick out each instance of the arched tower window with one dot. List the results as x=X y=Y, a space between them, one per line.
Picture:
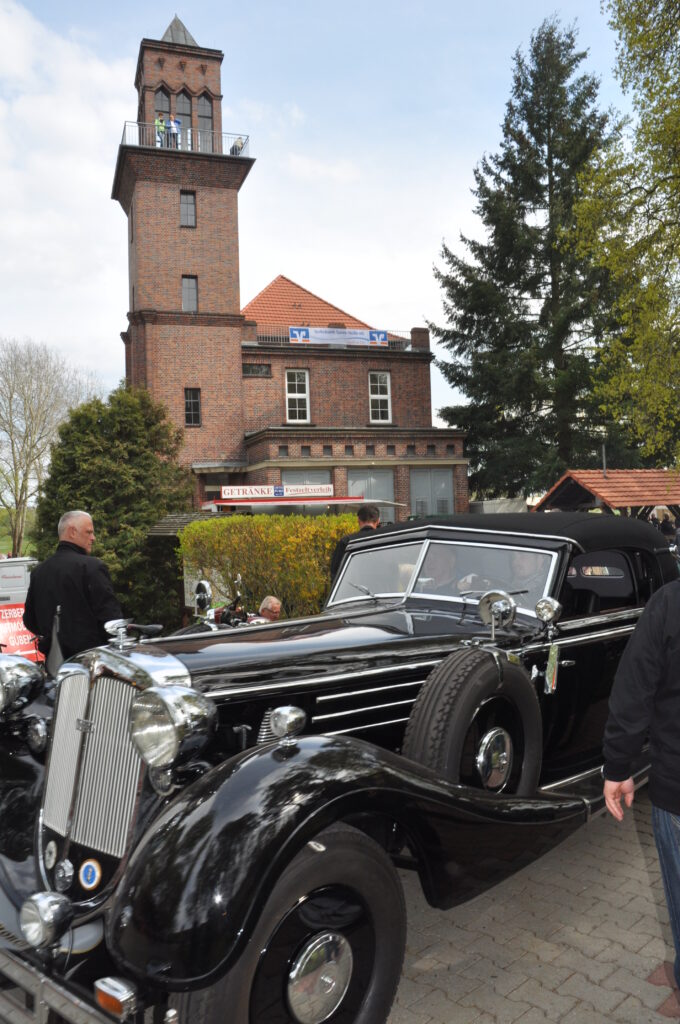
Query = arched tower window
x=162 y=103
x=184 y=115
x=205 y=124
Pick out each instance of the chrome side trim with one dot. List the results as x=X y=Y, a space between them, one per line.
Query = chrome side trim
x=573 y=641
x=572 y=780
x=293 y=684
x=606 y=617
x=373 y=725
x=373 y=689
x=47 y=997
x=357 y=711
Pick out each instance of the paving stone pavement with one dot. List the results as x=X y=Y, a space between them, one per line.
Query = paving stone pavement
x=572 y=938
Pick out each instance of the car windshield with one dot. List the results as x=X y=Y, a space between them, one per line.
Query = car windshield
x=455 y=571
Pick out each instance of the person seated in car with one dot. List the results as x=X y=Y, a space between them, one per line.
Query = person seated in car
x=528 y=576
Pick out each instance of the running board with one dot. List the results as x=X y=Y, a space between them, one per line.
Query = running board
x=588 y=786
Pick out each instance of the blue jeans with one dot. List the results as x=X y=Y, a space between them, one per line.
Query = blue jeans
x=666 y=828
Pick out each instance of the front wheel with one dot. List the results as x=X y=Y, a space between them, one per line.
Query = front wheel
x=328 y=946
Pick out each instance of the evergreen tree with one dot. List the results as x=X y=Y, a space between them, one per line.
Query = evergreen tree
x=524 y=314
x=117 y=461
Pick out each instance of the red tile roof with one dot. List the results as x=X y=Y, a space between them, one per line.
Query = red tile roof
x=286 y=304
x=621 y=488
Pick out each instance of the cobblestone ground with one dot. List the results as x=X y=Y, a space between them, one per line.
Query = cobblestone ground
x=573 y=938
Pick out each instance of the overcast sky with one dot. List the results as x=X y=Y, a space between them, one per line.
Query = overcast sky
x=366 y=120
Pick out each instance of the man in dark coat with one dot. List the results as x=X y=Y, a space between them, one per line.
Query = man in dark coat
x=369 y=519
x=79 y=584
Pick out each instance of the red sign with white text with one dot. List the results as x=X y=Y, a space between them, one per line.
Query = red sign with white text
x=14 y=637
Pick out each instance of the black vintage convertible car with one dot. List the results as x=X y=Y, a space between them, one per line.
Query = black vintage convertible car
x=206 y=828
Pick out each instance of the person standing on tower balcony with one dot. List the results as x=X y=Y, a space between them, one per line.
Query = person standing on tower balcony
x=173 y=130
x=160 y=129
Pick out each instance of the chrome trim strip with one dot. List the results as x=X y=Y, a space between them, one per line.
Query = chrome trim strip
x=359 y=711
x=236 y=691
x=574 y=641
x=564 y=783
x=140 y=666
x=360 y=693
x=606 y=617
x=373 y=725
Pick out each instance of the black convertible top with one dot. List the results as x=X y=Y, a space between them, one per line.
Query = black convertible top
x=590 y=531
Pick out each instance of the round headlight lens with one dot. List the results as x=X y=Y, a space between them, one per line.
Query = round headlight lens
x=548 y=609
x=153 y=730
x=44 y=917
x=170 y=722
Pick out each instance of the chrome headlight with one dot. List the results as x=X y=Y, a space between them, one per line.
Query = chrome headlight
x=548 y=609
x=44 y=917
x=170 y=723
x=17 y=677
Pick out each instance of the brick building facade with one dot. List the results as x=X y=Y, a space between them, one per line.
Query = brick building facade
x=255 y=407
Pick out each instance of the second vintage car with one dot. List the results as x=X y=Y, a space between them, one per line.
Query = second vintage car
x=205 y=829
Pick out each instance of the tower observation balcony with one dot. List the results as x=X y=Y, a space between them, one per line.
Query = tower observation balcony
x=184 y=139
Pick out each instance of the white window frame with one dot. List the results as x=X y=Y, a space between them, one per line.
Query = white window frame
x=295 y=396
x=379 y=397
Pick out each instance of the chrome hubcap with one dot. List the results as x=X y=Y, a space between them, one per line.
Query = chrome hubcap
x=494 y=758
x=319 y=977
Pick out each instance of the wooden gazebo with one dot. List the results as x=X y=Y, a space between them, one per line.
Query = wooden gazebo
x=633 y=491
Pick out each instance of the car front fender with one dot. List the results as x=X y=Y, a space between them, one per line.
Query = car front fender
x=196 y=883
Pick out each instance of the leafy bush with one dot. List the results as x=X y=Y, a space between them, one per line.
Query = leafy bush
x=288 y=556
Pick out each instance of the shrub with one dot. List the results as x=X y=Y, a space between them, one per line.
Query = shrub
x=288 y=556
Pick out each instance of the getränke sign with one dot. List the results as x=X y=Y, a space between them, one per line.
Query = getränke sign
x=251 y=491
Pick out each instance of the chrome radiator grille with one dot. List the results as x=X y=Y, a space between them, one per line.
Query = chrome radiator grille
x=101 y=786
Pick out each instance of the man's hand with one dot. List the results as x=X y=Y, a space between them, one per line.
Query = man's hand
x=614 y=792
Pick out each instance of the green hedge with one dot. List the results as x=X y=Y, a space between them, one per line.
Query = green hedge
x=288 y=556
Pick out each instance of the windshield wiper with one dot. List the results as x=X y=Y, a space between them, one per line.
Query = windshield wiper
x=361 y=589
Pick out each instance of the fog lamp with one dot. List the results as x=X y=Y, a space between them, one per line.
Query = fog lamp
x=44 y=917
x=169 y=723
x=116 y=996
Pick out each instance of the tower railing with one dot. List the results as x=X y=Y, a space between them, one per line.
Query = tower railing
x=184 y=139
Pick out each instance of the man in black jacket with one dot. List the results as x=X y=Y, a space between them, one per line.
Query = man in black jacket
x=369 y=519
x=79 y=584
x=645 y=701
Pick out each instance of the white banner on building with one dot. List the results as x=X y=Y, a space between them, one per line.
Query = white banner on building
x=336 y=336
x=249 y=491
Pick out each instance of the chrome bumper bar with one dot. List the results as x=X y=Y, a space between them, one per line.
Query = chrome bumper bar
x=29 y=997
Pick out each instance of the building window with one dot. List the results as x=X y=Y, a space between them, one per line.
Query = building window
x=306 y=451
x=192 y=407
x=391 y=450
x=189 y=294
x=410 y=449
x=187 y=209
x=450 y=449
x=162 y=102
x=328 y=449
x=297 y=396
x=283 y=451
x=432 y=492
x=370 y=449
x=431 y=449
x=257 y=369
x=379 y=397
x=205 y=124
x=349 y=449
x=374 y=485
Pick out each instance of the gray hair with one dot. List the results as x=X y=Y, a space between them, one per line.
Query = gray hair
x=68 y=518
x=270 y=603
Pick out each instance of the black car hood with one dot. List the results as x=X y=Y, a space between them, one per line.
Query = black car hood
x=342 y=636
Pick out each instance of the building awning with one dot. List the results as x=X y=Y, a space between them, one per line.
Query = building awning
x=312 y=500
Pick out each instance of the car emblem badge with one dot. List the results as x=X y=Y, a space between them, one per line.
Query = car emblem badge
x=90 y=874
x=50 y=855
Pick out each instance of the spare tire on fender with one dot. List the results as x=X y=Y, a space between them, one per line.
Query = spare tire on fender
x=477 y=721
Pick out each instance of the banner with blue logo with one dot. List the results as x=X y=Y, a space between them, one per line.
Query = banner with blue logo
x=337 y=336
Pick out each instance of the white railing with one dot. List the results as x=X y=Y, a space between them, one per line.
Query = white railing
x=184 y=139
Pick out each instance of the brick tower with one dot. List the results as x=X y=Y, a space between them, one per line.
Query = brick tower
x=178 y=185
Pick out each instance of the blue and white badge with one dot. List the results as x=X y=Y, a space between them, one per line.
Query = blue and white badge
x=90 y=874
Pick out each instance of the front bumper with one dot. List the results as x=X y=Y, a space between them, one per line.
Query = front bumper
x=27 y=996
